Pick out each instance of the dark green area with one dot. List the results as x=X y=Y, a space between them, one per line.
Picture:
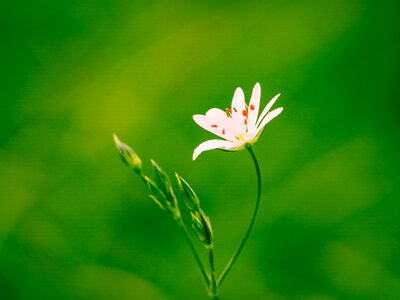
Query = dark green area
x=76 y=224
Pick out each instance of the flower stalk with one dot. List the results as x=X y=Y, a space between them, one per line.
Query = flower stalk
x=239 y=127
x=252 y=219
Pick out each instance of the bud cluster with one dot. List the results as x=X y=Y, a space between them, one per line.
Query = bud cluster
x=160 y=187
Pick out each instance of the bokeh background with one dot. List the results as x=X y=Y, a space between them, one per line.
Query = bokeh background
x=76 y=224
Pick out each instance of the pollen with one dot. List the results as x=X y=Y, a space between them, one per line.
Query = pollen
x=244 y=112
x=252 y=107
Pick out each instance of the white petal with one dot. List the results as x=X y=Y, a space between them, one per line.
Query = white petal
x=266 y=109
x=214 y=144
x=215 y=121
x=239 y=112
x=268 y=118
x=226 y=127
x=253 y=108
x=216 y=114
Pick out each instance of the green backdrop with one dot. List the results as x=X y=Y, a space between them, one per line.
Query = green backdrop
x=76 y=224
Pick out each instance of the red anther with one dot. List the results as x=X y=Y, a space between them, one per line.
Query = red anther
x=234 y=108
x=244 y=112
x=252 y=107
x=245 y=121
x=214 y=126
x=223 y=131
x=228 y=110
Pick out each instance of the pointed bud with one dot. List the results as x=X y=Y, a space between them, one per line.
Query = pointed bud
x=202 y=226
x=129 y=157
x=191 y=199
x=198 y=226
x=164 y=182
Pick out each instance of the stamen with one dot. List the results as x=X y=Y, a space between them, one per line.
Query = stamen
x=245 y=121
x=234 y=108
x=228 y=112
x=252 y=107
x=214 y=126
x=244 y=112
x=223 y=131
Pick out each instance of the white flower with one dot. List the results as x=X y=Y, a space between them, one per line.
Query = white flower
x=238 y=126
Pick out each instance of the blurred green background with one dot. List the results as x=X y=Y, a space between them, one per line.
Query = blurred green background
x=76 y=224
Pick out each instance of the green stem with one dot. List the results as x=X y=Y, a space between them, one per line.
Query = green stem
x=196 y=255
x=213 y=283
x=252 y=220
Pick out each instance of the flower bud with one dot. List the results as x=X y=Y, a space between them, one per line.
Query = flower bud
x=129 y=157
x=191 y=199
x=163 y=180
x=202 y=226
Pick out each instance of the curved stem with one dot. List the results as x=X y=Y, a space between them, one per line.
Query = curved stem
x=252 y=220
x=213 y=283
x=196 y=255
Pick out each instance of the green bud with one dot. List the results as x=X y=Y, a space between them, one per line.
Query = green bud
x=202 y=226
x=165 y=184
x=191 y=199
x=198 y=227
x=129 y=157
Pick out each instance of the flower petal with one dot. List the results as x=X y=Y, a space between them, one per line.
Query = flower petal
x=266 y=109
x=215 y=121
x=268 y=118
x=214 y=144
x=239 y=112
x=253 y=108
x=220 y=116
